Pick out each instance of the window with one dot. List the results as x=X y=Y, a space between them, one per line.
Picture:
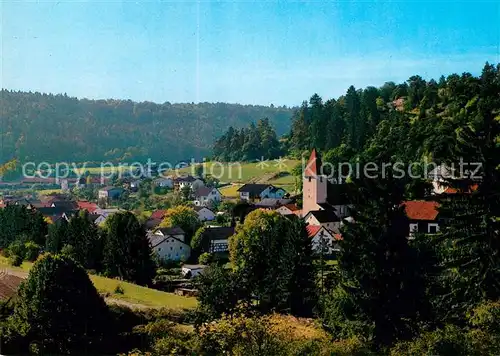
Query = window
x=321 y=179
x=433 y=228
x=159 y=249
x=180 y=248
x=170 y=248
x=309 y=179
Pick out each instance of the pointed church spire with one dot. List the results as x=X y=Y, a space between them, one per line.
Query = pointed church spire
x=313 y=166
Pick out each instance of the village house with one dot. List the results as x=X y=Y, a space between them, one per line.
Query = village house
x=110 y=193
x=169 y=244
x=204 y=213
x=272 y=203
x=215 y=239
x=164 y=182
x=326 y=218
x=206 y=196
x=323 y=239
x=256 y=192
x=188 y=181
x=423 y=216
x=289 y=209
x=86 y=205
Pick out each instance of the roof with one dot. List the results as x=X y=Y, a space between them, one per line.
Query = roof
x=203 y=191
x=199 y=208
x=312 y=230
x=292 y=207
x=313 y=166
x=8 y=285
x=324 y=216
x=421 y=209
x=218 y=233
x=186 y=179
x=253 y=189
x=171 y=230
x=94 y=217
x=272 y=202
x=86 y=205
x=66 y=204
x=152 y=223
x=470 y=189
x=158 y=214
x=54 y=211
x=156 y=240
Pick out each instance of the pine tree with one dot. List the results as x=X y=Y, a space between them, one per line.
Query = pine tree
x=379 y=290
x=471 y=241
x=127 y=253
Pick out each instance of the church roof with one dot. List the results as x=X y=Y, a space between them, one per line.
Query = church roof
x=313 y=167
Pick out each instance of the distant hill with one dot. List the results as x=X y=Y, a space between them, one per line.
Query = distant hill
x=44 y=127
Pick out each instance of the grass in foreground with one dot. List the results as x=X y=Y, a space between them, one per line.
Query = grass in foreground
x=141 y=295
x=132 y=293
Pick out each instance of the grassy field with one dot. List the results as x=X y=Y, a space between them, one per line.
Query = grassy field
x=141 y=295
x=132 y=293
x=244 y=172
x=48 y=191
x=230 y=191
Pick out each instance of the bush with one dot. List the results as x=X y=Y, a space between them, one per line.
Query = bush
x=32 y=250
x=15 y=260
x=205 y=258
x=17 y=248
x=119 y=289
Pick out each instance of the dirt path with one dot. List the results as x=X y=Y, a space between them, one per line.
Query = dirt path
x=127 y=304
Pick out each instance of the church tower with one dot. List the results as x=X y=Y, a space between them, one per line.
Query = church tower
x=314 y=187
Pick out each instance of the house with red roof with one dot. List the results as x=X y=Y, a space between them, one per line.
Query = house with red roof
x=86 y=205
x=323 y=239
x=287 y=209
x=423 y=216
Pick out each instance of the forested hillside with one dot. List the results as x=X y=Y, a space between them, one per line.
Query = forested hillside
x=409 y=121
x=54 y=128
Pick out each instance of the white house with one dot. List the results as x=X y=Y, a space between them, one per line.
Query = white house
x=188 y=181
x=164 y=182
x=204 y=213
x=169 y=243
x=260 y=191
x=323 y=239
x=205 y=196
x=106 y=212
x=326 y=218
x=289 y=209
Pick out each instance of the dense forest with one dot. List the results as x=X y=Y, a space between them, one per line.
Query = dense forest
x=254 y=142
x=419 y=116
x=45 y=127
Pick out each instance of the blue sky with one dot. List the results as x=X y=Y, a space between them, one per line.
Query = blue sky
x=258 y=52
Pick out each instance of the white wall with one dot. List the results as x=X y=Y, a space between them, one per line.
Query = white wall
x=172 y=249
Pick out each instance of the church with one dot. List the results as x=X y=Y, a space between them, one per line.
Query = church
x=324 y=201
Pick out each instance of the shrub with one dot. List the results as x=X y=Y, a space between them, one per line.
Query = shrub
x=205 y=258
x=32 y=250
x=15 y=260
x=119 y=289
